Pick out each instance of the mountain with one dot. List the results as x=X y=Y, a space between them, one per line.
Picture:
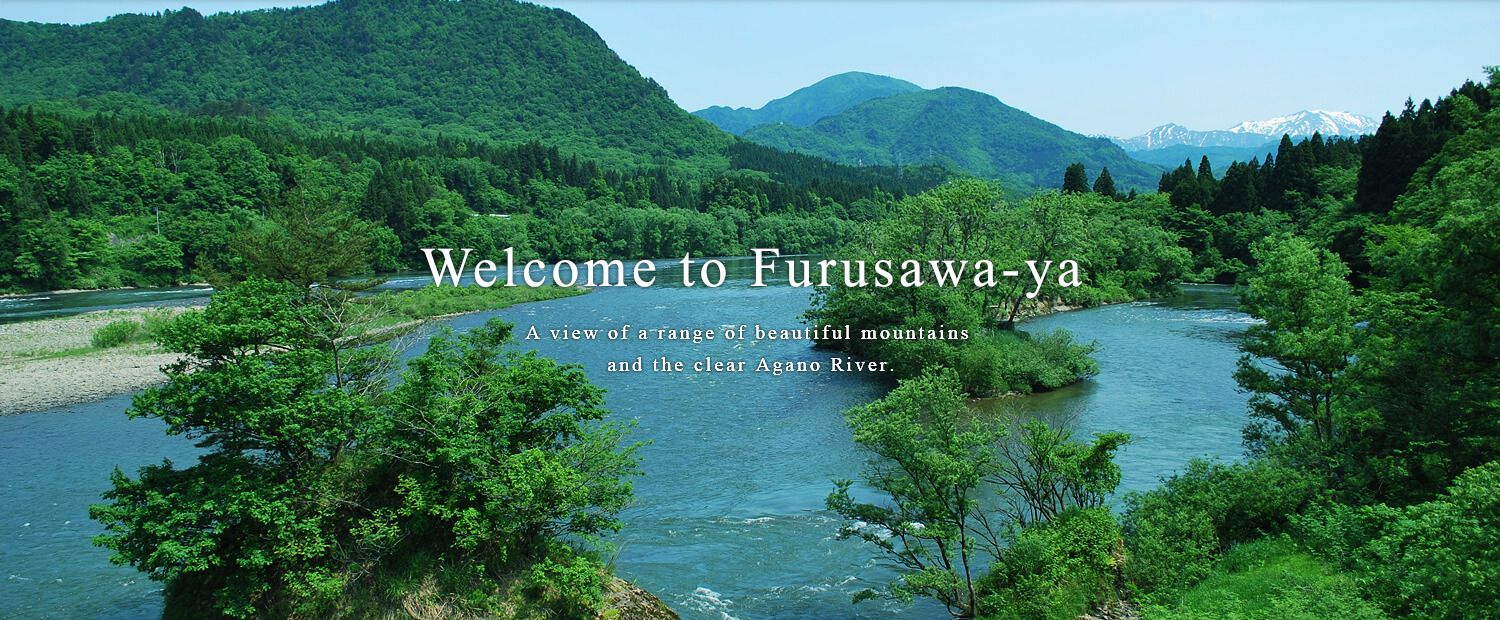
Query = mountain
x=475 y=69
x=808 y=104
x=1252 y=134
x=1172 y=134
x=1309 y=122
x=1219 y=156
x=962 y=129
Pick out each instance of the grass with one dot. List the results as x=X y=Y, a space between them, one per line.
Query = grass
x=433 y=301
x=1269 y=579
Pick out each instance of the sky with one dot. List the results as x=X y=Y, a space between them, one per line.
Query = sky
x=1110 y=68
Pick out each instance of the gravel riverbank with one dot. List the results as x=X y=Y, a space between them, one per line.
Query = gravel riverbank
x=49 y=363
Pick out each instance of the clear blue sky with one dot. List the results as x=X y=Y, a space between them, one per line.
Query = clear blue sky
x=1092 y=67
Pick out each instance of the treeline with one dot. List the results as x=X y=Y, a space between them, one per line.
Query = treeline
x=1332 y=191
x=146 y=200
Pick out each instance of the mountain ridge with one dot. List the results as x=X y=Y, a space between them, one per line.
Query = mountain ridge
x=967 y=130
x=1251 y=134
x=806 y=105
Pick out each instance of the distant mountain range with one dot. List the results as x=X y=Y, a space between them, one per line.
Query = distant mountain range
x=1254 y=133
x=806 y=105
x=866 y=119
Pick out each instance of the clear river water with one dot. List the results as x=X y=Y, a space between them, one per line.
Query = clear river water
x=728 y=520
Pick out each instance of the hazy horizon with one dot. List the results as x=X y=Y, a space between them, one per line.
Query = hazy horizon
x=1093 y=68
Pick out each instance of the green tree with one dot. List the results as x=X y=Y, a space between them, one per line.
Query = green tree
x=1295 y=362
x=930 y=460
x=258 y=520
x=1104 y=185
x=1075 y=179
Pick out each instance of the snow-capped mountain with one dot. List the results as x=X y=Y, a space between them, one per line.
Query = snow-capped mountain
x=1308 y=122
x=1172 y=134
x=1254 y=133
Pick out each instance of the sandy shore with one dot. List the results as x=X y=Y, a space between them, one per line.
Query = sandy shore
x=39 y=371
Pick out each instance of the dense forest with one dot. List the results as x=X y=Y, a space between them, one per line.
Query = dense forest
x=1371 y=487
x=509 y=71
x=108 y=200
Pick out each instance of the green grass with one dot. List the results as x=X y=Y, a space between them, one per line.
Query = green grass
x=1268 y=579
x=432 y=301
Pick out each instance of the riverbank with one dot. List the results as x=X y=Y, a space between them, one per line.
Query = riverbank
x=52 y=362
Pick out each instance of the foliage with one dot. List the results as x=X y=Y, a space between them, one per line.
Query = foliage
x=1268 y=579
x=1043 y=541
x=487 y=69
x=317 y=481
x=1061 y=568
x=1043 y=473
x=1120 y=257
x=1296 y=361
x=1174 y=532
x=132 y=199
x=433 y=301
x=1436 y=559
x=930 y=462
x=116 y=333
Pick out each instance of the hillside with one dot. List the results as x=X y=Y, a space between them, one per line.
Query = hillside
x=962 y=129
x=806 y=105
x=474 y=69
x=1173 y=156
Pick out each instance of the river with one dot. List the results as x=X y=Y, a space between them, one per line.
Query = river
x=728 y=519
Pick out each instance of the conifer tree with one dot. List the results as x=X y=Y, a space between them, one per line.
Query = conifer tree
x=1104 y=184
x=1075 y=179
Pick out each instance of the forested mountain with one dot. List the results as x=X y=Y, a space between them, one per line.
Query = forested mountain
x=479 y=68
x=806 y=105
x=959 y=128
x=1173 y=155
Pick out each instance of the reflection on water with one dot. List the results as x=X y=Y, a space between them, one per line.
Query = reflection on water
x=728 y=520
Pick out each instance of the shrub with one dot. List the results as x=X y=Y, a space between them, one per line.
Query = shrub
x=1437 y=559
x=1057 y=569
x=1173 y=532
x=116 y=333
x=1268 y=579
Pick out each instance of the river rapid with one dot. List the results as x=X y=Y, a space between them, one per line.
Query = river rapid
x=728 y=520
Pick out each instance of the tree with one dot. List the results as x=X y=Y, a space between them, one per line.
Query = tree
x=1043 y=473
x=1075 y=179
x=930 y=461
x=1295 y=362
x=1050 y=542
x=263 y=517
x=1104 y=185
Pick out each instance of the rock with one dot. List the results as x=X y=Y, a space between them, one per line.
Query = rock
x=626 y=601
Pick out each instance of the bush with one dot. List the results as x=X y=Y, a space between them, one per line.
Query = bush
x=1437 y=559
x=1010 y=361
x=1268 y=579
x=1174 y=531
x=1062 y=568
x=117 y=333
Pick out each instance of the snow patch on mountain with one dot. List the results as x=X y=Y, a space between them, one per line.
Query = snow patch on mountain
x=1254 y=133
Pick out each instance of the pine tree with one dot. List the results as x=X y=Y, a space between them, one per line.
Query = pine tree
x=1104 y=185
x=1075 y=179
